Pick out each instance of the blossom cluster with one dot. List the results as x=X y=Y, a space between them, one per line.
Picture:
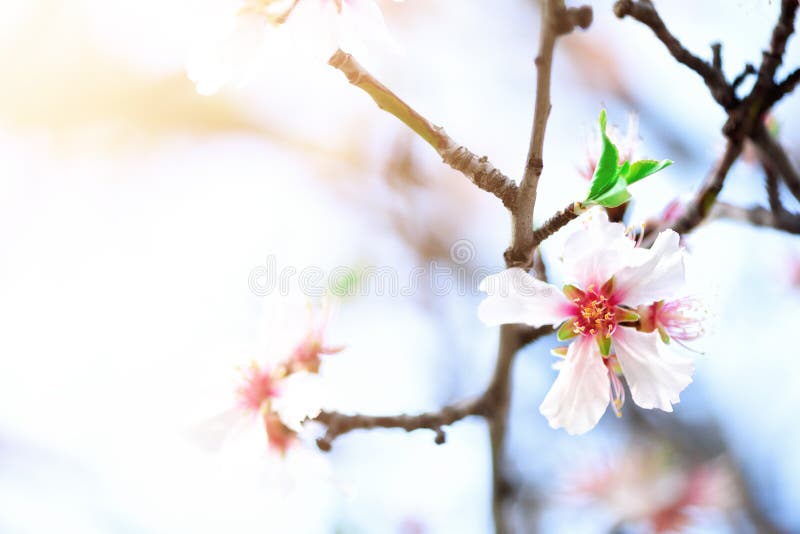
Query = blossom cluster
x=621 y=306
x=645 y=486
x=283 y=390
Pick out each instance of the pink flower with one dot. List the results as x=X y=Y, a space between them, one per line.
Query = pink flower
x=609 y=281
x=276 y=394
x=259 y=388
x=306 y=354
x=643 y=487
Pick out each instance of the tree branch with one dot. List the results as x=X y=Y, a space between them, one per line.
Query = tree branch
x=774 y=56
x=744 y=116
x=773 y=191
x=556 y=222
x=774 y=157
x=556 y=20
x=478 y=169
x=748 y=70
x=757 y=216
x=484 y=405
x=645 y=12
x=702 y=202
x=339 y=423
x=785 y=87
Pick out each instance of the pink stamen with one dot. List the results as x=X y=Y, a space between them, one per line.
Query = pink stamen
x=682 y=319
x=595 y=313
x=258 y=388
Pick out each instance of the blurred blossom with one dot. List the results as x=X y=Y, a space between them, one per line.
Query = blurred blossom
x=282 y=389
x=628 y=144
x=315 y=27
x=794 y=272
x=611 y=284
x=645 y=487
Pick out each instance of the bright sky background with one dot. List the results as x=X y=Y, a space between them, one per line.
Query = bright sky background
x=132 y=211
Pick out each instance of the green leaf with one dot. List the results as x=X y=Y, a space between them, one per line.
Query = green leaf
x=615 y=196
x=607 y=168
x=643 y=168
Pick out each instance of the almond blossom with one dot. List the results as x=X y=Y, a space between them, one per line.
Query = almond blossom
x=611 y=283
x=316 y=27
x=645 y=487
x=280 y=390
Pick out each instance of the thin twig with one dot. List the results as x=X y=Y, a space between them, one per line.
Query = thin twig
x=339 y=423
x=775 y=157
x=716 y=51
x=484 y=405
x=478 y=169
x=556 y=222
x=645 y=12
x=772 y=186
x=748 y=70
x=744 y=116
x=773 y=57
x=702 y=202
x=757 y=216
x=556 y=20
x=785 y=87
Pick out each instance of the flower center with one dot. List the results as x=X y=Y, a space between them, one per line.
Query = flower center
x=258 y=387
x=595 y=314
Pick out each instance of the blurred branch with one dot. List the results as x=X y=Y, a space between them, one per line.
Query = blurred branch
x=704 y=199
x=786 y=86
x=758 y=216
x=749 y=69
x=745 y=116
x=774 y=157
x=745 y=120
x=773 y=57
x=773 y=190
x=478 y=169
x=645 y=12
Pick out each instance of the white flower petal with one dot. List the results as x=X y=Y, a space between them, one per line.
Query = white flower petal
x=580 y=394
x=211 y=433
x=517 y=297
x=300 y=396
x=655 y=376
x=660 y=276
x=595 y=252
